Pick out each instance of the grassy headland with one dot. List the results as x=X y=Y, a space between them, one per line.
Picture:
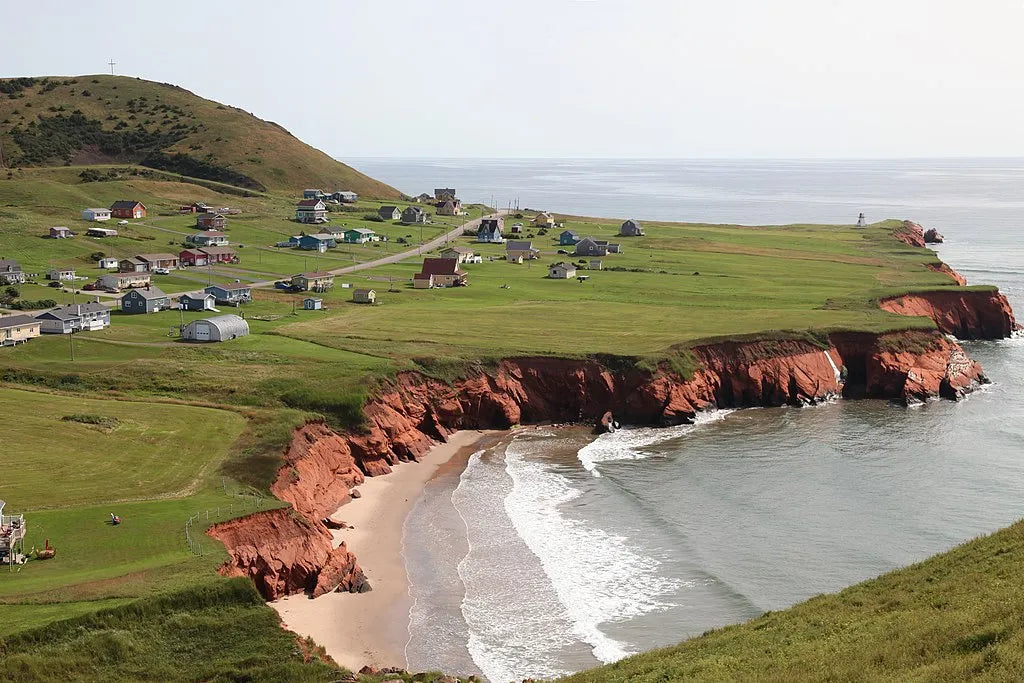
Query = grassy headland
x=158 y=430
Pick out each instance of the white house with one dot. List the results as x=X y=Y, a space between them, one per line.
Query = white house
x=561 y=271
x=108 y=262
x=61 y=273
x=96 y=214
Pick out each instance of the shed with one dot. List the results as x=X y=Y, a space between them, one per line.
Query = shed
x=364 y=296
x=217 y=329
x=60 y=232
x=96 y=214
x=311 y=304
x=561 y=271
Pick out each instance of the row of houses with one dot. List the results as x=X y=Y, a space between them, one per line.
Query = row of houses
x=122 y=208
x=410 y=215
x=329 y=238
x=152 y=299
x=200 y=208
x=192 y=256
x=340 y=196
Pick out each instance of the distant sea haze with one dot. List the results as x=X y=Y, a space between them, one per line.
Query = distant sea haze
x=560 y=552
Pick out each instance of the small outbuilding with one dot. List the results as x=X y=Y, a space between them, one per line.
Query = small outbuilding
x=217 y=329
x=60 y=232
x=364 y=296
x=96 y=214
x=561 y=271
x=311 y=304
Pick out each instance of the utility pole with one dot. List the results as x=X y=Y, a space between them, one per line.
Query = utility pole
x=71 y=344
x=111 y=63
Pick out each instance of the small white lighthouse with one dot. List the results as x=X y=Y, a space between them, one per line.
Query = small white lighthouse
x=860 y=220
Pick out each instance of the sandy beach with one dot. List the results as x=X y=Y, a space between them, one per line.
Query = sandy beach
x=372 y=628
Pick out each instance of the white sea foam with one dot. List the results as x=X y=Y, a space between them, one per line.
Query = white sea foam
x=598 y=577
x=517 y=627
x=630 y=443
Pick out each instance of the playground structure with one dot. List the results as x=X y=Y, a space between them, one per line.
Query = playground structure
x=12 y=538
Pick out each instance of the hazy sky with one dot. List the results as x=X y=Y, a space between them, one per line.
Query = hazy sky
x=564 y=78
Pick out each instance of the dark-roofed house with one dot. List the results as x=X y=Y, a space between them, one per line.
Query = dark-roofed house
x=345 y=197
x=449 y=207
x=444 y=271
x=196 y=301
x=561 y=271
x=74 y=318
x=520 y=249
x=319 y=242
x=389 y=213
x=211 y=221
x=312 y=193
x=162 y=260
x=132 y=264
x=148 y=299
x=568 y=238
x=311 y=211
x=414 y=214
x=444 y=193
x=422 y=197
x=11 y=272
x=126 y=208
x=17 y=329
x=588 y=246
x=364 y=296
x=490 y=231
x=232 y=295
x=631 y=228
x=316 y=281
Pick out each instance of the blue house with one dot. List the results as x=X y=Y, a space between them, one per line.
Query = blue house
x=320 y=242
x=569 y=238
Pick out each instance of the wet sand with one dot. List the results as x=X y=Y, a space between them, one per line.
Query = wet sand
x=372 y=628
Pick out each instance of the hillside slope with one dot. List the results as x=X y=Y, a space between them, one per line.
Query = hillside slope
x=954 y=617
x=51 y=121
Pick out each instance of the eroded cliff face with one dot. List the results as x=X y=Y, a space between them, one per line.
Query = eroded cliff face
x=291 y=551
x=283 y=552
x=965 y=314
x=944 y=268
x=910 y=233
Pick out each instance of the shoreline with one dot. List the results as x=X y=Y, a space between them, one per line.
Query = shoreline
x=358 y=629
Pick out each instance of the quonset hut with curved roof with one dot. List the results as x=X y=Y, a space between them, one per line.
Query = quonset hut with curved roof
x=216 y=329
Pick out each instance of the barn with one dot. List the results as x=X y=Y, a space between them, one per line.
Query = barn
x=216 y=329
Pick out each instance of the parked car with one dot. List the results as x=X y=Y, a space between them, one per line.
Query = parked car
x=90 y=287
x=161 y=271
x=122 y=222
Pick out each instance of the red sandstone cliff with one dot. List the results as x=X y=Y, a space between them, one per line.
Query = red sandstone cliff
x=943 y=268
x=966 y=314
x=283 y=552
x=910 y=233
x=286 y=552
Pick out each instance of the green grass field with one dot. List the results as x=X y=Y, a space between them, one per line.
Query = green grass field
x=159 y=430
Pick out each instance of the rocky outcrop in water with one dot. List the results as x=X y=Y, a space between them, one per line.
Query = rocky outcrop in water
x=932 y=236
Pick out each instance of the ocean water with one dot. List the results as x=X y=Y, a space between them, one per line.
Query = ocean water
x=557 y=552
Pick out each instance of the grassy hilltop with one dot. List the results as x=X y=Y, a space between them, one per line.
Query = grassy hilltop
x=115 y=119
x=160 y=431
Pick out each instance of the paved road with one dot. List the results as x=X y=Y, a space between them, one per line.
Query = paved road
x=470 y=226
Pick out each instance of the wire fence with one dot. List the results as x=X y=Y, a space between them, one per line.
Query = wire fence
x=245 y=500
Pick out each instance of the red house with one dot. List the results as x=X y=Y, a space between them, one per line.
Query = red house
x=128 y=209
x=193 y=257
x=220 y=254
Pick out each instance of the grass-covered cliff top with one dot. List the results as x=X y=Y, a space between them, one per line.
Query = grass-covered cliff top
x=98 y=119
